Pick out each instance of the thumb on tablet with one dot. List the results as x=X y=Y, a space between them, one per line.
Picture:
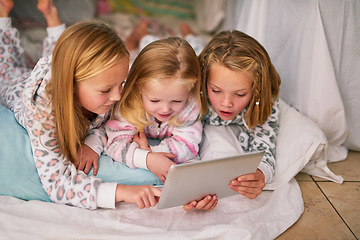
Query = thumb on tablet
x=156 y=191
x=170 y=155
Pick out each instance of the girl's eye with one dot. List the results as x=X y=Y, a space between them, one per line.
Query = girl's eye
x=154 y=101
x=215 y=91
x=176 y=101
x=106 y=91
x=240 y=95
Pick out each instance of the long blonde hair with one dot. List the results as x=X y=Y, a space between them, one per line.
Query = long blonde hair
x=240 y=52
x=160 y=60
x=85 y=49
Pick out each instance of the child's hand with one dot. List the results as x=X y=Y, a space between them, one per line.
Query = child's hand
x=141 y=139
x=159 y=163
x=144 y=196
x=249 y=185
x=207 y=203
x=86 y=159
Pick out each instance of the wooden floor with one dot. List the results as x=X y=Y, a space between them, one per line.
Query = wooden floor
x=331 y=210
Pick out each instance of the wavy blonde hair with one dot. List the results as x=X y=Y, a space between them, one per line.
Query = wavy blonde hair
x=84 y=50
x=161 y=60
x=240 y=52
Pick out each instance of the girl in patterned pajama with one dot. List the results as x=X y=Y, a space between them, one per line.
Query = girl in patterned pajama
x=63 y=104
x=240 y=89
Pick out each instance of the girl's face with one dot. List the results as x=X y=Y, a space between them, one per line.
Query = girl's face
x=164 y=99
x=98 y=93
x=229 y=91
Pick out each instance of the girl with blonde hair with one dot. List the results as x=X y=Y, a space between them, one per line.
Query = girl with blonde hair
x=240 y=89
x=160 y=100
x=64 y=102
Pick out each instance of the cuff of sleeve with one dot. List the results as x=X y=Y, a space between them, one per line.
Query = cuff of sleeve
x=106 y=195
x=55 y=32
x=140 y=158
x=5 y=22
x=266 y=171
x=93 y=144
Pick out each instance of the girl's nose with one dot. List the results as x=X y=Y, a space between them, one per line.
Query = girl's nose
x=165 y=108
x=115 y=95
x=226 y=101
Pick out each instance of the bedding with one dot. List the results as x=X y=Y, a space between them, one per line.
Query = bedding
x=301 y=144
x=266 y=217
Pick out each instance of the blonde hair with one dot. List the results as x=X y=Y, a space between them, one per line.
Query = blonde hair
x=240 y=52
x=85 y=49
x=158 y=61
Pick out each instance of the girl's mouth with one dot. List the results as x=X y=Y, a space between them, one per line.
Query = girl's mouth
x=168 y=115
x=224 y=113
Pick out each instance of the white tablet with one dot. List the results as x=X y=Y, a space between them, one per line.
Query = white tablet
x=193 y=181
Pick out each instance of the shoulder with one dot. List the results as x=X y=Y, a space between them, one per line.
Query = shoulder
x=191 y=110
x=117 y=121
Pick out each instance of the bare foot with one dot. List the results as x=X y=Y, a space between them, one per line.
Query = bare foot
x=50 y=13
x=141 y=30
x=5 y=7
x=185 y=30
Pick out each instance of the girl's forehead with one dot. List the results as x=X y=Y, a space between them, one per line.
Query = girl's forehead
x=161 y=82
x=222 y=76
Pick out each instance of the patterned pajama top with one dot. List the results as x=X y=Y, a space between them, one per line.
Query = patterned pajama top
x=262 y=138
x=24 y=93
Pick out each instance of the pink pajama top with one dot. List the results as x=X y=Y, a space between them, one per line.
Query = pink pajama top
x=183 y=141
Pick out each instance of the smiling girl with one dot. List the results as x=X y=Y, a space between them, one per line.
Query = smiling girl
x=161 y=101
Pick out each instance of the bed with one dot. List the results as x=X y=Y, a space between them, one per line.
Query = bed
x=307 y=139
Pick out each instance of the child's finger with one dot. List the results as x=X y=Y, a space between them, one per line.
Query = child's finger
x=142 y=135
x=170 y=155
x=190 y=206
x=156 y=191
x=95 y=167
x=207 y=203
x=250 y=193
x=247 y=177
x=87 y=167
x=81 y=165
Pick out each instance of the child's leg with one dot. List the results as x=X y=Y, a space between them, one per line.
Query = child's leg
x=138 y=39
x=50 y=13
x=12 y=63
x=12 y=58
x=55 y=26
x=190 y=36
x=11 y=51
x=140 y=31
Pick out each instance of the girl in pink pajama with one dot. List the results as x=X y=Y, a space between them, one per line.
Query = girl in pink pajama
x=161 y=100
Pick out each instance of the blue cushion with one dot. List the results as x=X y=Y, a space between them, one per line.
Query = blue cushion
x=18 y=175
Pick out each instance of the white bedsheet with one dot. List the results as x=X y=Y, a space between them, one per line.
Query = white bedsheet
x=237 y=217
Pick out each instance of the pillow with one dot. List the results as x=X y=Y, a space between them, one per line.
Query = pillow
x=18 y=175
x=301 y=146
